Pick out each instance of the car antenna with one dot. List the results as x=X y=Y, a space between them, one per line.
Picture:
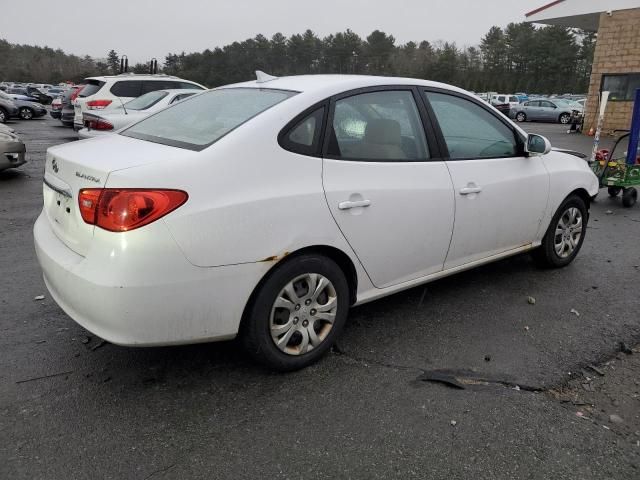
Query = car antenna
x=262 y=77
x=123 y=107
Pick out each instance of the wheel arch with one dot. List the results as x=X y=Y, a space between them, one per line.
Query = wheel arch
x=342 y=260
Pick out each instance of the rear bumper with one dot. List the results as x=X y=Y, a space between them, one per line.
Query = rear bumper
x=55 y=114
x=141 y=290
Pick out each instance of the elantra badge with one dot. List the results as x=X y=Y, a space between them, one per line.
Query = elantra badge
x=54 y=165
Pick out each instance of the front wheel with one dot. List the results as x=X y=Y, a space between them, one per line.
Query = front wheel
x=4 y=116
x=26 y=113
x=565 y=118
x=297 y=313
x=565 y=234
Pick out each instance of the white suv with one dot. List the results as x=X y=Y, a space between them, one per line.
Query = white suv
x=103 y=93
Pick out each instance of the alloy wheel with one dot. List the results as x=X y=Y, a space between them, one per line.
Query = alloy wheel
x=26 y=114
x=303 y=314
x=568 y=232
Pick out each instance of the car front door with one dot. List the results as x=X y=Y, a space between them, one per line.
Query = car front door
x=500 y=194
x=387 y=187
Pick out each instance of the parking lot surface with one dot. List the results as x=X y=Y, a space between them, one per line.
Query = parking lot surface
x=73 y=407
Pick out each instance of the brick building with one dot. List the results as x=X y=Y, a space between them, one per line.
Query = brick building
x=616 y=62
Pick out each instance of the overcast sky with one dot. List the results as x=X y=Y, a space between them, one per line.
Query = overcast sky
x=143 y=29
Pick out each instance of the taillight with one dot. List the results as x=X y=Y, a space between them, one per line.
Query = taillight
x=98 y=104
x=97 y=124
x=75 y=94
x=121 y=210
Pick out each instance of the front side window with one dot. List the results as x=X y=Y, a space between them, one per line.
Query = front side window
x=197 y=122
x=470 y=131
x=377 y=126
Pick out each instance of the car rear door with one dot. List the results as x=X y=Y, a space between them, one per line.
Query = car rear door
x=386 y=184
x=500 y=194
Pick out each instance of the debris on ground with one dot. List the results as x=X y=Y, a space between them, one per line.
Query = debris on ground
x=487 y=358
x=624 y=348
x=85 y=340
x=531 y=300
x=102 y=343
x=37 y=298
x=575 y=312
x=615 y=419
x=526 y=328
x=440 y=377
x=596 y=369
x=453 y=423
x=609 y=212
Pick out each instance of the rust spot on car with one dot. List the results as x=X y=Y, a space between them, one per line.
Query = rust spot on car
x=274 y=258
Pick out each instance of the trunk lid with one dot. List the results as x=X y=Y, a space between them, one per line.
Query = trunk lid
x=87 y=164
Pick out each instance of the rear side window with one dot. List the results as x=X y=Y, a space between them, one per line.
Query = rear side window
x=514 y=99
x=377 y=126
x=471 y=131
x=127 y=88
x=145 y=101
x=304 y=137
x=91 y=87
x=188 y=85
x=197 y=122
x=153 y=85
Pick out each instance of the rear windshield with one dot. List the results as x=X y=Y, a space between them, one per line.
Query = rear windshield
x=91 y=87
x=196 y=123
x=145 y=101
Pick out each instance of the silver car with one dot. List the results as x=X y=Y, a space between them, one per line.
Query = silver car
x=12 y=149
x=544 y=111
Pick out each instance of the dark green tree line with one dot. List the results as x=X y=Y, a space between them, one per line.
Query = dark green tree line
x=519 y=57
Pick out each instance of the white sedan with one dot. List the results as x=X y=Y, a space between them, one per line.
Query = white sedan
x=98 y=124
x=266 y=209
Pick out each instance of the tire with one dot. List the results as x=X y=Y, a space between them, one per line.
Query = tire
x=563 y=234
x=521 y=117
x=4 y=115
x=614 y=191
x=26 y=113
x=564 y=118
x=289 y=285
x=629 y=197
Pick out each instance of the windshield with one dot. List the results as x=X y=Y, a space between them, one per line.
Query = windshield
x=145 y=101
x=197 y=122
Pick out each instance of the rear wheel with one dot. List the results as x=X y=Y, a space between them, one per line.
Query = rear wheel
x=4 y=116
x=565 y=234
x=521 y=117
x=565 y=118
x=629 y=197
x=297 y=313
x=26 y=113
x=614 y=191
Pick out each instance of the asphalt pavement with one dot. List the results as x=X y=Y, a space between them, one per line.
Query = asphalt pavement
x=74 y=407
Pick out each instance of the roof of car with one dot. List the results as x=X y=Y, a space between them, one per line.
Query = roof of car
x=337 y=83
x=137 y=76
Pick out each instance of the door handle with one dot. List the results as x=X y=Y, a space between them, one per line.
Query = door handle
x=469 y=189
x=353 y=204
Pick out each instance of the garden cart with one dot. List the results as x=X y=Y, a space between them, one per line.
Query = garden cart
x=618 y=172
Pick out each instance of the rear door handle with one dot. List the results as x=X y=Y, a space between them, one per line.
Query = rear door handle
x=470 y=189
x=353 y=204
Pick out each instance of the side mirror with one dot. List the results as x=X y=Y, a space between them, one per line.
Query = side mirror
x=537 y=145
